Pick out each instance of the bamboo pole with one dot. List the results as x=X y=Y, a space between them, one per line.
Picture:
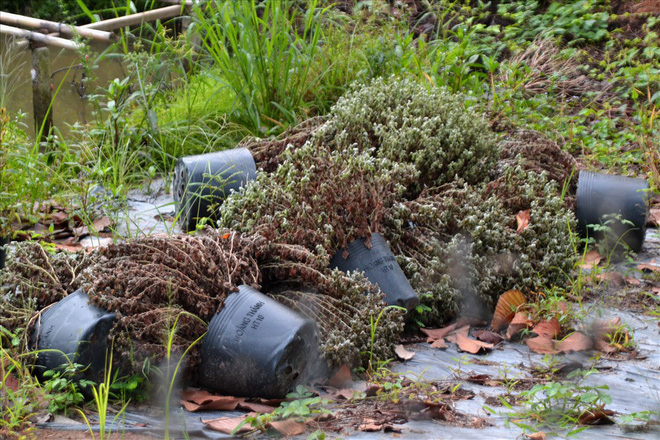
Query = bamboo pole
x=39 y=38
x=136 y=19
x=61 y=28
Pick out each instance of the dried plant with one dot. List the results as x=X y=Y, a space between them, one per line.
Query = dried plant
x=342 y=307
x=36 y=277
x=147 y=282
x=545 y=69
x=268 y=153
x=461 y=237
x=405 y=122
x=319 y=198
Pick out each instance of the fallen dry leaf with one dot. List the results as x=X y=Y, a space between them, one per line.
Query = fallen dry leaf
x=256 y=407
x=550 y=328
x=345 y=394
x=200 y=400
x=370 y=426
x=226 y=425
x=373 y=389
x=605 y=347
x=472 y=345
x=403 y=354
x=632 y=281
x=488 y=336
x=439 y=343
x=438 y=333
x=541 y=345
x=596 y=417
x=522 y=220
x=97 y=225
x=519 y=322
x=591 y=260
x=576 y=341
x=451 y=337
x=483 y=379
x=536 y=436
x=650 y=266
x=288 y=427
x=507 y=305
x=342 y=378
x=610 y=335
x=615 y=278
x=654 y=217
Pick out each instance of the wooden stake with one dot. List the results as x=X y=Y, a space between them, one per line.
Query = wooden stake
x=42 y=93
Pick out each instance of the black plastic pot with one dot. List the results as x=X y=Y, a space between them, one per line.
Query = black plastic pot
x=622 y=202
x=202 y=182
x=380 y=267
x=4 y=241
x=257 y=347
x=74 y=328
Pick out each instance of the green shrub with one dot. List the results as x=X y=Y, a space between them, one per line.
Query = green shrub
x=464 y=238
x=404 y=121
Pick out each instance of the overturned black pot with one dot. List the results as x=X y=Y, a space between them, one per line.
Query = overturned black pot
x=622 y=202
x=202 y=182
x=73 y=329
x=4 y=241
x=380 y=267
x=257 y=347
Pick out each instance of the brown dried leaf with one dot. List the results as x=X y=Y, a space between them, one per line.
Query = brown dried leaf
x=403 y=354
x=200 y=400
x=288 y=427
x=654 y=217
x=507 y=305
x=550 y=328
x=650 y=266
x=256 y=407
x=522 y=220
x=591 y=260
x=488 y=336
x=342 y=378
x=596 y=417
x=471 y=345
x=520 y=321
x=226 y=425
x=632 y=281
x=452 y=337
x=576 y=341
x=97 y=225
x=605 y=347
x=438 y=333
x=536 y=436
x=439 y=343
x=615 y=278
x=483 y=379
x=373 y=389
x=541 y=345
x=370 y=426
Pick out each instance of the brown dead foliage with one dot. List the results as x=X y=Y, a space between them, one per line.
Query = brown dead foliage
x=150 y=281
x=541 y=154
x=505 y=310
x=35 y=278
x=267 y=153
